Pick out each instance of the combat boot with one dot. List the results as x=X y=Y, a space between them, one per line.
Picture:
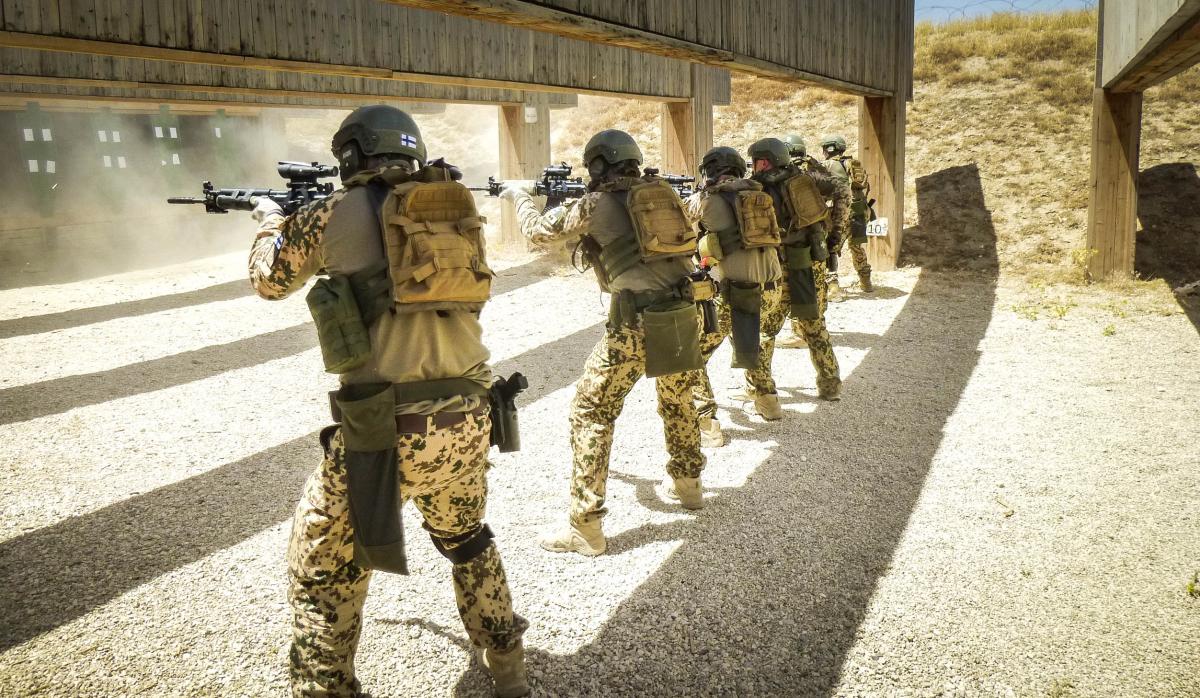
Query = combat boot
x=507 y=670
x=767 y=406
x=864 y=282
x=711 y=435
x=833 y=291
x=585 y=539
x=794 y=342
x=685 y=490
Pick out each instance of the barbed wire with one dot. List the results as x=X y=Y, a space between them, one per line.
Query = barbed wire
x=963 y=10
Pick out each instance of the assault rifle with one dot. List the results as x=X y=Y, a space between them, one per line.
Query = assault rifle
x=682 y=184
x=302 y=188
x=556 y=185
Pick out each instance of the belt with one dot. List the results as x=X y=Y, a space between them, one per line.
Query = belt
x=422 y=423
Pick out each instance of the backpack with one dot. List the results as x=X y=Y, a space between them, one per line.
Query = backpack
x=755 y=213
x=433 y=236
x=806 y=202
x=661 y=225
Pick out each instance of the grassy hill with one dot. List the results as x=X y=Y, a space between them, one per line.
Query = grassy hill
x=1007 y=96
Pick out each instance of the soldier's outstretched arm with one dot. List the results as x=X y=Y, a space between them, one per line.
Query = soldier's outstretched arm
x=692 y=208
x=286 y=250
x=564 y=222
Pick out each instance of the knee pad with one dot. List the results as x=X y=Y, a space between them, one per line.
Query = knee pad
x=466 y=547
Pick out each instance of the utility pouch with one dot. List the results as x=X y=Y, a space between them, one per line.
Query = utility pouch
x=858 y=229
x=745 y=311
x=372 y=476
x=345 y=344
x=817 y=248
x=802 y=288
x=672 y=332
x=710 y=247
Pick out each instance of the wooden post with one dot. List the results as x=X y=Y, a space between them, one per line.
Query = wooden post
x=524 y=151
x=881 y=123
x=687 y=127
x=1112 y=213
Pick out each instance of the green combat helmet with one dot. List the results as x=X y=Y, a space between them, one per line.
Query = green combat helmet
x=376 y=130
x=611 y=147
x=772 y=150
x=833 y=145
x=796 y=146
x=722 y=159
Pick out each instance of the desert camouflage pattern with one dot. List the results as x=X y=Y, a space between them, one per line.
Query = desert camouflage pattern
x=758 y=379
x=444 y=474
x=287 y=250
x=561 y=223
x=858 y=251
x=820 y=346
x=615 y=365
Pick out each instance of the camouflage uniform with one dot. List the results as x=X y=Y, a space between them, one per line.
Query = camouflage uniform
x=840 y=168
x=615 y=365
x=815 y=332
x=759 y=380
x=443 y=471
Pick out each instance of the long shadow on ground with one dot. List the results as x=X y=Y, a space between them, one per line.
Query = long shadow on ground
x=55 y=574
x=1168 y=245
x=770 y=584
x=35 y=400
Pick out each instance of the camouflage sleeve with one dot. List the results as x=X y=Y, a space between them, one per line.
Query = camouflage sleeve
x=693 y=209
x=838 y=190
x=564 y=222
x=286 y=251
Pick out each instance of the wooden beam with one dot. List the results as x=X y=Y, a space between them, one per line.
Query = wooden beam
x=1177 y=53
x=1112 y=211
x=356 y=98
x=687 y=127
x=524 y=151
x=529 y=15
x=39 y=42
x=881 y=124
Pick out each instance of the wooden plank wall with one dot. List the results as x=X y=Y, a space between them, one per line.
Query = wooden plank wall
x=361 y=45
x=852 y=45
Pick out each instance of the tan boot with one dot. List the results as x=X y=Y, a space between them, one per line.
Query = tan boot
x=864 y=282
x=507 y=670
x=794 y=342
x=585 y=539
x=767 y=406
x=685 y=490
x=833 y=291
x=711 y=435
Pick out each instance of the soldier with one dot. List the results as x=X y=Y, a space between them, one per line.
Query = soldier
x=798 y=151
x=799 y=199
x=851 y=170
x=413 y=407
x=740 y=241
x=633 y=231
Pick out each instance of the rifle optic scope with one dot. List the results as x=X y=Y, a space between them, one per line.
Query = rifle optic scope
x=304 y=170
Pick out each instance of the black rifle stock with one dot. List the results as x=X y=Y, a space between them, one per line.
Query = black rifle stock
x=302 y=188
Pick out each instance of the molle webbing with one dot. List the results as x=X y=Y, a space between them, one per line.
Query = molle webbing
x=618 y=257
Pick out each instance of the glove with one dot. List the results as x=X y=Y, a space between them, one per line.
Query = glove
x=517 y=186
x=264 y=207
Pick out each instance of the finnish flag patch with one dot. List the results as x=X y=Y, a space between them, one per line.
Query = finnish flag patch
x=408 y=141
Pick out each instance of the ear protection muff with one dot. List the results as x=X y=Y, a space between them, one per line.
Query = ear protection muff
x=350 y=160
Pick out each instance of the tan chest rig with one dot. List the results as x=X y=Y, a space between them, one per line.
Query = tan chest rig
x=658 y=229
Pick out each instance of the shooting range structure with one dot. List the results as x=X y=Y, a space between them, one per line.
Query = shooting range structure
x=524 y=57
x=1142 y=43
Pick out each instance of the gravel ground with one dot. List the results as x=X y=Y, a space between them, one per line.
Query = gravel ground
x=998 y=506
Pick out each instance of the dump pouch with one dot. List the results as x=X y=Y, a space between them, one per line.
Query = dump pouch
x=368 y=414
x=817 y=247
x=745 y=311
x=858 y=230
x=802 y=288
x=345 y=344
x=672 y=331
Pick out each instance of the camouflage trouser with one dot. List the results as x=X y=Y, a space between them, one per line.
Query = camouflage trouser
x=820 y=346
x=444 y=473
x=858 y=252
x=616 y=364
x=758 y=379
